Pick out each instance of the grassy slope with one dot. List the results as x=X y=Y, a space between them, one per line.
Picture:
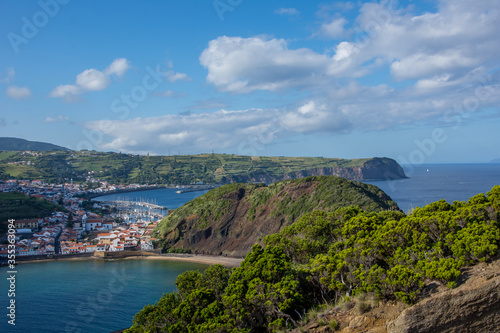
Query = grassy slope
x=329 y=193
x=15 y=144
x=15 y=205
x=123 y=168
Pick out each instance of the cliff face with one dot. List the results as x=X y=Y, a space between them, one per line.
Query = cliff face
x=473 y=307
x=378 y=168
x=230 y=219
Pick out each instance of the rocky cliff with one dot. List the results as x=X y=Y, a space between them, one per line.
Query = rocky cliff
x=378 y=168
x=230 y=219
x=472 y=307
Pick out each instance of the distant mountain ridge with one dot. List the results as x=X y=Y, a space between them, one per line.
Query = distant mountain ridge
x=16 y=144
x=117 y=168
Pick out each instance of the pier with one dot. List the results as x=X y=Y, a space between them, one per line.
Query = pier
x=149 y=205
x=194 y=188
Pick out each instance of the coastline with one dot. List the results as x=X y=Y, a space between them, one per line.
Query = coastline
x=102 y=194
x=194 y=258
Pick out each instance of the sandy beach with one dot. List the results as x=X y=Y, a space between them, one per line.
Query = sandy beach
x=196 y=258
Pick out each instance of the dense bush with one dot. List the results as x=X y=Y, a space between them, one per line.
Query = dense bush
x=325 y=257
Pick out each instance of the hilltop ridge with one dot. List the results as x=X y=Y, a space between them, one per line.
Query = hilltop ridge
x=230 y=219
x=117 y=168
x=16 y=144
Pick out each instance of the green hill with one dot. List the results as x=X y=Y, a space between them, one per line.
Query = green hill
x=14 y=205
x=228 y=220
x=318 y=268
x=15 y=144
x=186 y=169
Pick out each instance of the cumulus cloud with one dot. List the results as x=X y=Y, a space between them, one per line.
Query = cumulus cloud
x=242 y=65
x=414 y=65
x=287 y=11
x=312 y=118
x=16 y=92
x=333 y=28
x=222 y=129
x=91 y=80
x=392 y=68
x=118 y=67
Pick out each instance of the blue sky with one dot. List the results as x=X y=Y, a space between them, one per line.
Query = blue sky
x=416 y=81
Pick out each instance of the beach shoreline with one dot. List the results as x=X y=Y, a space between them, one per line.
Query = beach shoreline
x=194 y=258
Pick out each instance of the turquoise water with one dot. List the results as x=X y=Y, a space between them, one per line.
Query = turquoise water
x=86 y=296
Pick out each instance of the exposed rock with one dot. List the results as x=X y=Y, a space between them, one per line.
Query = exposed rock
x=473 y=307
x=378 y=168
x=230 y=219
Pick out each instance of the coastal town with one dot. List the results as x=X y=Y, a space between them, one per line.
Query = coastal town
x=82 y=225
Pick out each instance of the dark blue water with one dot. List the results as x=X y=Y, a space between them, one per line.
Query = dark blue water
x=89 y=297
x=86 y=296
x=430 y=183
x=163 y=197
x=426 y=184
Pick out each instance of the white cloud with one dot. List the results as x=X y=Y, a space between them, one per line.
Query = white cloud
x=223 y=129
x=313 y=117
x=287 y=11
x=173 y=76
x=334 y=28
x=394 y=67
x=242 y=65
x=91 y=80
x=118 y=67
x=66 y=91
x=16 y=92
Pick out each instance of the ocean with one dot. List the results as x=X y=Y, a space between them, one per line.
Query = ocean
x=425 y=184
x=433 y=182
x=96 y=296
x=86 y=296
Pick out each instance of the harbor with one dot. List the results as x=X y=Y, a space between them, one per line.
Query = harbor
x=194 y=188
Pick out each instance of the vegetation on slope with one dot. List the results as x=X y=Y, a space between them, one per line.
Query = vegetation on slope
x=15 y=144
x=325 y=257
x=231 y=218
x=184 y=169
x=16 y=205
